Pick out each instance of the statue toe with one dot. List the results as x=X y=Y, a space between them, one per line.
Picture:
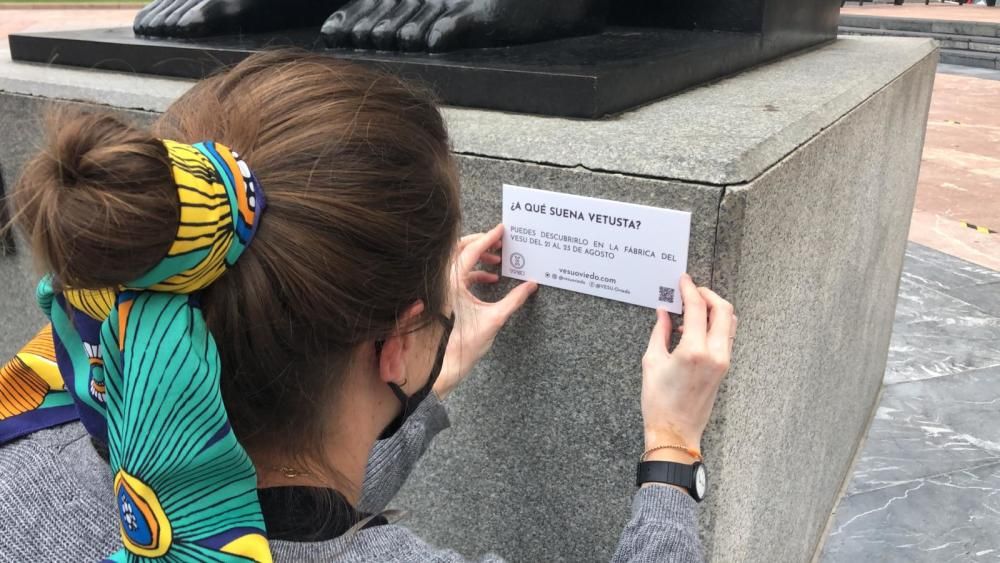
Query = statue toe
x=146 y=16
x=384 y=35
x=386 y=32
x=334 y=30
x=449 y=33
x=411 y=37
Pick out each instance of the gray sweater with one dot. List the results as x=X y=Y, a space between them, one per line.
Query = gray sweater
x=56 y=505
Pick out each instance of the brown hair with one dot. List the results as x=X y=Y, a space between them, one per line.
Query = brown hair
x=362 y=215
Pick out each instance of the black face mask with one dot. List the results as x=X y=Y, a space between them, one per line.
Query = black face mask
x=410 y=403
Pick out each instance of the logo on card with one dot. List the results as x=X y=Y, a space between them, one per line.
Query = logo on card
x=517 y=260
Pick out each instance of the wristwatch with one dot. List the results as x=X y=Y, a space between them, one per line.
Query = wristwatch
x=690 y=477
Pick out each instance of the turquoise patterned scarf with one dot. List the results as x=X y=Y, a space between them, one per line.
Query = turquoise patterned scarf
x=142 y=370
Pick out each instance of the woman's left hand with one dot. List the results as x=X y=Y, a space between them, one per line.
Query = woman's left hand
x=476 y=322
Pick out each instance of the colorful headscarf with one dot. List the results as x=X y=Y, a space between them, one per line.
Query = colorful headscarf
x=140 y=369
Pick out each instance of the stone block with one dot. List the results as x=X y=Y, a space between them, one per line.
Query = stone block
x=971 y=58
x=810 y=253
x=984 y=47
x=800 y=178
x=813 y=334
x=955 y=44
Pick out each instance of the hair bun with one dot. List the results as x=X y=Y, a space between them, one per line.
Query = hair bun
x=98 y=204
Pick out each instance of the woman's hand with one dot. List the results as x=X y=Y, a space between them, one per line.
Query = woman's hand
x=476 y=322
x=679 y=387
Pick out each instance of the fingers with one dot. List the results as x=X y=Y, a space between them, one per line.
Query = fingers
x=660 y=337
x=479 y=276
x=695 y=314
x=514 y=300
x=477 y=245
x=490 y=258
x=464 y=241
x=720 y=320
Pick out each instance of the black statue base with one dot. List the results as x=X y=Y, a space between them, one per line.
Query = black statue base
x=587 y=77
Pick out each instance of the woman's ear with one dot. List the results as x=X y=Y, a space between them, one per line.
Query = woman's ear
x=392 y=360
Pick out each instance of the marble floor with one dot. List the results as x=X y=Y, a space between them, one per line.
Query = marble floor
x=926 y=487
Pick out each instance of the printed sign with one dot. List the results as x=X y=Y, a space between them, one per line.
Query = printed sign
x=621 y=251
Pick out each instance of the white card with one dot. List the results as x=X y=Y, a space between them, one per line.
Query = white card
x=621 y=251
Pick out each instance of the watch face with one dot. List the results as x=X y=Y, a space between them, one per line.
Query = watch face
x=700 y=481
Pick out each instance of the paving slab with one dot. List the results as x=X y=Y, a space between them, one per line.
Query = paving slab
x=947 y=518
x=934 y=11
x=935 y=335
x=13 y=20
x=931 y=427
x=926 y=485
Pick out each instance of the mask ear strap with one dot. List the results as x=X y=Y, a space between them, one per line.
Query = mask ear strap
x=410 y=403
x=402 y=397
x=398 y=392
x=397 y=422
x=448 y=322
x=396 y=389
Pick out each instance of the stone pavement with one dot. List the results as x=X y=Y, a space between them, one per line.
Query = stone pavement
x=934 y=11
x=27 y=20
x=926 y=487
x=960 y=172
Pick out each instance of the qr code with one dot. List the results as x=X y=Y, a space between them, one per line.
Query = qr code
x=666 y=294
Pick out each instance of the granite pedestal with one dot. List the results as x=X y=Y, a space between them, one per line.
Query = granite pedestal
x=800 y=177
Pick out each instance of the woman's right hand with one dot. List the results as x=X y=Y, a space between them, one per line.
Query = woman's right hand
x=679 y=387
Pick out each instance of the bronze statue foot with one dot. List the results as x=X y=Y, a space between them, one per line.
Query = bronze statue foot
x=200 y=18
x=444 y=25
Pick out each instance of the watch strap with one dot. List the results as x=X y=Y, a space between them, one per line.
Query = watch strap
x=665 y=472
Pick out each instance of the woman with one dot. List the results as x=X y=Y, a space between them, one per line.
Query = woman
x=260 y=338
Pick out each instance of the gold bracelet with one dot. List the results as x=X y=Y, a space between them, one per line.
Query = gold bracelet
x=690 y=451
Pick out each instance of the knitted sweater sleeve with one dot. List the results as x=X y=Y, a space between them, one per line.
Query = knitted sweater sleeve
x=663 y=526
x=663 y=529
x=392 y=459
